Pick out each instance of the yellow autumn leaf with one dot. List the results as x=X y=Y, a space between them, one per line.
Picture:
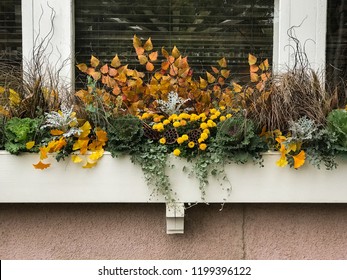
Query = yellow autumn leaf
x=56 y=132
x=14 y=98
x=148 y=46
x=41 y=165
x=292 y=147
x=101 y=135
x=89 y=165
x=210 y=78
x=203 y=83
x=82 y=67
x=96 y=155
x=251 y=59
x=115 y=62
x=136 y=42
x=94 y=62
x=43 y=152
x=299 y=159
x=175 y=52
x=4 y=112
x=254 y=77
x=143 y=59
x=164 y=53
x=86 y=127
x=282 y=162
x=29 y=145
x=264 y=65
x=222 y=62
x=76 y=159
x=237 y=87
x=2 y=90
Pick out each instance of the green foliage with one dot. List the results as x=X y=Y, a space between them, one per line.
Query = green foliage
x=236 y=138
x=20 y=131
x=124 y=134
x=153 y=160
x=337 y=124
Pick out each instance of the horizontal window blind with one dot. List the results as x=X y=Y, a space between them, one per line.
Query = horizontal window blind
x=204 y=30
x=10 y=31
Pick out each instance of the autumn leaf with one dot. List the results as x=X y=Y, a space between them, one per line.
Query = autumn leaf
x=96 y=155
x=299 y=159
x=148 y=46
x=136 y=42
x=4 y=112
x=252 y=59
x=153 y=56
x=41 y=165
x=254 y=77
x=116 y=90
x=76 y=159
x=43 y=152
x=85 y=128
x=101 y=135
x=237 y=87
x=104 y=69
x=30 y=144
x=2 y=90
x=115 y=62
x=210 y=78
x=215 y=70
x=149 y=66
x=143 y=59
x=89 y=165
x=253 y=68
x=94 y=62
x=165 y=65
x=175 y=52
x=139 y=50
x=112 y=72
x=82 y=67
x=14 y=98
x=264 y=65
x=164 y=53
x=222 y=62
x=225 y=73
x=282 y=162
x=203 y=83
x=56 y=132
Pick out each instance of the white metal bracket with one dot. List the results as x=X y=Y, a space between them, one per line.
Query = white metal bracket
x=175 y=218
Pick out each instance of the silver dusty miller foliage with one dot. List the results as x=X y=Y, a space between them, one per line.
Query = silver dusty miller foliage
x=63 y=120
x=173 y=104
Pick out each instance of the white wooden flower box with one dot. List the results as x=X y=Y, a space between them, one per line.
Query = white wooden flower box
x=118 y=180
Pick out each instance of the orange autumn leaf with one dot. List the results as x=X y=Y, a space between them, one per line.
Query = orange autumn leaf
x=153 y=56
x=115 y=62
x=82 y=67
x=149 y=66
x=215 y=70
x=225 y=73
x=116 y=90
x=165 y=65
x=94 y=62
x=148 y=46
x=221 y=81
x=253 y=68
x=104 y=69
x=56 y=132
x=139 y=50
x=43 y=152
x=164 y=53
x=210 y=78
x=101 y=135
x=41 y=165
x=254 y=77
x=222 y=62
x=251 y=59
x=112 y=72
x=299 y=159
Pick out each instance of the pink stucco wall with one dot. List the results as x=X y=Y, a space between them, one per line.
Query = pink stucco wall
x=137 y=231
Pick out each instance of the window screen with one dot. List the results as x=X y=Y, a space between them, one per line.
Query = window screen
x=336 y=51
x=10 y=31
x=204 y=30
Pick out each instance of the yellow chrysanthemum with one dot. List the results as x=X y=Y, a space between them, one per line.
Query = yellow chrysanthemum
x=176 y=124
x=162 y=140
x=222 y=118
x=206 y=130
x=180 y=140
x=185 y=137
x=213 y=117
x=228 y=116
x=200 y=140
x=183 y=122
x=204 y=135
x=222 y=108
x=177 y=152
x=202 y=146
x=211 y=123
x=166 y=122
x=212 y=111
x=191 y=144
x=203 y=125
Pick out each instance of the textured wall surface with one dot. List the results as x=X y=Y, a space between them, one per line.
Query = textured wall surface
x=137 y=231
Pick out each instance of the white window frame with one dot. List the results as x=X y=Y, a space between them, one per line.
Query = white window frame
x=311 y=13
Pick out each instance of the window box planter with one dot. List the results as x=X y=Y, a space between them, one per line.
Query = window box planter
x=118 y=180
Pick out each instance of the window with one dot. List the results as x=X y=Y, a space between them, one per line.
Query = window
x=204 y=30
x=336 y=50
x=10 y=31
